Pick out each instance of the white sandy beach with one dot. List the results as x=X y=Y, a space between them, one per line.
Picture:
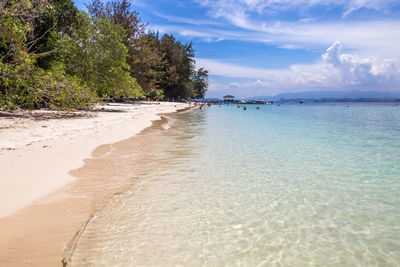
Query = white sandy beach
x=41 y=204
x=36 y=155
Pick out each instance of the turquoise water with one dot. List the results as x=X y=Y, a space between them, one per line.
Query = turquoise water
x=289 y=185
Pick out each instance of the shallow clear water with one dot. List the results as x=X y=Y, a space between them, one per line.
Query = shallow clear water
x=291 y=185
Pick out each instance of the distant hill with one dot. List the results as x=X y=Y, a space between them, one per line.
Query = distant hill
x=331 y=95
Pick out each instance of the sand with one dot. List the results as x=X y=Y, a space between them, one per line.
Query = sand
x=42 y=204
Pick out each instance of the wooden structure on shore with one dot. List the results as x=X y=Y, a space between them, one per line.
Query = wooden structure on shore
x=229 y=98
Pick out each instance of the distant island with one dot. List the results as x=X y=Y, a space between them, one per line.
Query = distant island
x=313 y=96
x=343 y=100
x=334 y=96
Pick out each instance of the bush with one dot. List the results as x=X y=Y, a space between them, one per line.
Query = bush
x=26 y=86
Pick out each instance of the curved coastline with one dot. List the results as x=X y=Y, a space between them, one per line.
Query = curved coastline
x=104 y=154
x=37 y=231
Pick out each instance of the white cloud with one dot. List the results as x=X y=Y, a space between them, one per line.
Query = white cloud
x=187 y=20
x=234 y=85
x=254 y=23
x=226 y=8
x=355 y=5
x=380 y=38
x=218 y=68
x=335 y=71
x=356 y=70
x=368 y=38
x=206 y=34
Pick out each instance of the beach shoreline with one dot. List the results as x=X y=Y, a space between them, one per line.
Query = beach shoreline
x=40 y=207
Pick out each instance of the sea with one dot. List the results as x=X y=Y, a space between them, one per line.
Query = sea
x=313 y=184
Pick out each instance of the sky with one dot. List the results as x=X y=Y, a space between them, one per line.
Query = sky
x=267 y=47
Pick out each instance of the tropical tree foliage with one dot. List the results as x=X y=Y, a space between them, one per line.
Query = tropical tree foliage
x=53 y=55
x=95 y=52
x=200 y=83
x=163 y=66
x=147 y=64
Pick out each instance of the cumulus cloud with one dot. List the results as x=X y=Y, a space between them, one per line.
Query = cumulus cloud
x=336 y=71
x=355 y=70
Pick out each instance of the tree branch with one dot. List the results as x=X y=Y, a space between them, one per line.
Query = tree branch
x=37 y=39
x=46 y=53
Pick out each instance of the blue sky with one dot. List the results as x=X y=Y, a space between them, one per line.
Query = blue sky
x=267 y=47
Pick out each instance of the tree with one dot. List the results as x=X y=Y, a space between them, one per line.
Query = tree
x=178 y=67
x=162 y=66
x=53 y=55
x=56 y=21
x=95 y=52
x=119 y=12
x=142 y=56
x=200 y=83
x=22 y=82
x=146 y=64
x=17 y=21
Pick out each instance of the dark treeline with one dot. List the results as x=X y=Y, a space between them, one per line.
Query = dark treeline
x=53 y=55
